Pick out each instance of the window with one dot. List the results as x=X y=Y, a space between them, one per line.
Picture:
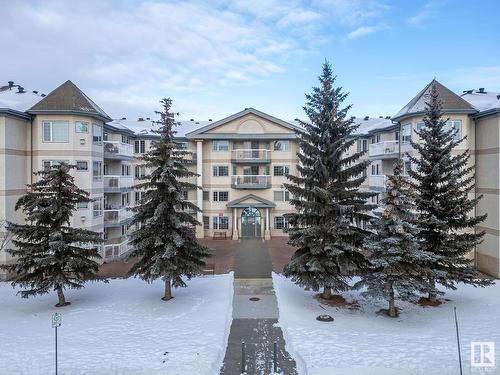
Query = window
x=220 y=145
x=140 y=171
x=124 y=230
x=221 y=196
x=185 y=195
x=378 y=138
x=96 y=134
x=125 y=139
x=138 y=196
x=406 y=133
x=206 y=196
x=82 y=205
x=105 y=136
x=97 y=207
x=406 y=167
x=373 y=169
x=81 y=127
x=375 y=199
x=420 y=125
x=182 y=145
x=139 y=147
x=206 y=222
x=46 y=164
x=221 y=222
x=281 y=170
x=82 y=165
x=280 y=222
x=97 y=170
x=221 y=170
x=125 y=199
x=456 y=125
x=281 y=145
x=362 y=145
x=281 y=196
x=125 y=170
x=55 y=131
x=396 y=136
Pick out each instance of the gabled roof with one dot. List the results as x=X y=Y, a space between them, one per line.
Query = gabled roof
x=451 y=102
x=199 y=133
x=259 y=202
x=68 y=98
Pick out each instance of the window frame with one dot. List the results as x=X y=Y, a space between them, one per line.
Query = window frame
x=85 y=123
x=220 y=222
x=80 y=169
x=51 y=135
x=217 y=143
x=218 y=168
x=285 y=170
x=97 y=139
x=279 y=145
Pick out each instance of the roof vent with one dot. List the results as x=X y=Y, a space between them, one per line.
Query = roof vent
x=380 y=116
x=366 y=118
x=43 y=95
x=388 y=117
x=11 y=84
x=20 y=90
x=209 y=119
x=192 y=119
x=196 y=122
x=481 y=90
x=124 y=118
x=147 y=118
x=498 y=97
x=35 y=92
x=141 y=119
x=468 y=91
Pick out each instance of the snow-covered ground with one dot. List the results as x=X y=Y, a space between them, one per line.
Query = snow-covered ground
x=122 y=327
x=359 y=342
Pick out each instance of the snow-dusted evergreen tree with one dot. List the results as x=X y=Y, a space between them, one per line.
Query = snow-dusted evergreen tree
x=50 y=254
x=326 y=194
x=165 y=242
x=443 y=181
x=393 y=247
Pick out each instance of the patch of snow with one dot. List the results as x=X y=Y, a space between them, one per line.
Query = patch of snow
x=482 y=101
x=121 y=327
x=12 y=99
x=421 y=341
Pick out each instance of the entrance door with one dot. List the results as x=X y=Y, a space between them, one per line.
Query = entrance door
x=250 y=223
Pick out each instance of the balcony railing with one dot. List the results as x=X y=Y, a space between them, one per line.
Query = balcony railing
x=377 y=182
x=115 y=183
x=116 y=217
x=251 y=156
x=190 y=158
x=250 y=182
x=118 y=150
x=384 y=150
x=190 y=210
x=116 y=251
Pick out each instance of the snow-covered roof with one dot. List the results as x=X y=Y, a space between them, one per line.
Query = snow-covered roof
x=482 y=100
x=145 y=125
x=11 y=98
x=368 y=124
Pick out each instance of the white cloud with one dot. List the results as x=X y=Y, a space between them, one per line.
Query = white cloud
x=429 y=11
x=363 y=31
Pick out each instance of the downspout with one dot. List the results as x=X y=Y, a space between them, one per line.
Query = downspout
x=475 y=186
x=399 y=140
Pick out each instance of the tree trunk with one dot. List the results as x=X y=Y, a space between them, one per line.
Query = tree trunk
x=327 y=293
x=392 y=306
x=168 y=291
x=432 y=297
x=60 y=295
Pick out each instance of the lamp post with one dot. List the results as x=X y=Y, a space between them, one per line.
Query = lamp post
x=56 y=322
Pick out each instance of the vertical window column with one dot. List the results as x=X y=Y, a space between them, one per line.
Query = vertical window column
x=199 y=182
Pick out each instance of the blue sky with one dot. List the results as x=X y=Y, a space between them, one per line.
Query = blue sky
x=214 y=58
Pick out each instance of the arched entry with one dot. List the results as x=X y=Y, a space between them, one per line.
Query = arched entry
x=250 y=223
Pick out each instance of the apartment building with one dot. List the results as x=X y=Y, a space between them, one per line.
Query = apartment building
x=241 y=161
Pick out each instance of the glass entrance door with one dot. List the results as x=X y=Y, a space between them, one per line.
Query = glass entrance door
x=250 y=223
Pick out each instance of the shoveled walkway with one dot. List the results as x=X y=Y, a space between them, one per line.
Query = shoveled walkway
x=254 y=322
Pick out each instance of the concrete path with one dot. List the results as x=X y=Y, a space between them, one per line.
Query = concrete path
x=254 y=322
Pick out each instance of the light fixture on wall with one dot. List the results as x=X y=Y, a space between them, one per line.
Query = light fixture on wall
x=82 y=141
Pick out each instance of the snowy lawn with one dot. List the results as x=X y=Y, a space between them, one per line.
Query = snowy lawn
x=421 y=341
x=122 y=327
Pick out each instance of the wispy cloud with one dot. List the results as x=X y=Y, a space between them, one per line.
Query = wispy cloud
x=429 y=11
x=364 y=31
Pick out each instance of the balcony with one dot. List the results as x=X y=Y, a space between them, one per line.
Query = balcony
x=117 y=251
x=384 y=150
x=116 y=217
x=117 y=184
x=190 y=210
x=377 y=182
x=250 y=182
x=251 y=156
x=190 y=158
x=118 y=150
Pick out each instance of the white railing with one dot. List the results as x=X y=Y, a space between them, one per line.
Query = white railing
x=116 y=216
x=383 y=148
x=249 y=181
x=377 y=181
x=190 y=210
x=117 y=250
x=249 y=155
x=116 y=149
x=118 y=182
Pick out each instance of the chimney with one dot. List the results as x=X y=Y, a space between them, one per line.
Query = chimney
x=481 y=90
x=366 y=118
x=140 y=119
x=11 y=84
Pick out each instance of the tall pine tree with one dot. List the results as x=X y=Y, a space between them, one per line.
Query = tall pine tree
x=393 y=249
x=444 y=181
x=326 y=194
x=165 y=242
x=49 y=253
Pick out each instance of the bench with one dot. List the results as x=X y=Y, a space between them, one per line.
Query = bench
x=208 y=269
x=220 y=236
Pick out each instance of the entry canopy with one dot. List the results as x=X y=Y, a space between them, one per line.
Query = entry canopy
x=251 y=200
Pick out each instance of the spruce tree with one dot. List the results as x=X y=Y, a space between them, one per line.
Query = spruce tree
x=50 y=254
x=326 y=194
x=165 y=242
x=393 y=248
x=443 y=181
